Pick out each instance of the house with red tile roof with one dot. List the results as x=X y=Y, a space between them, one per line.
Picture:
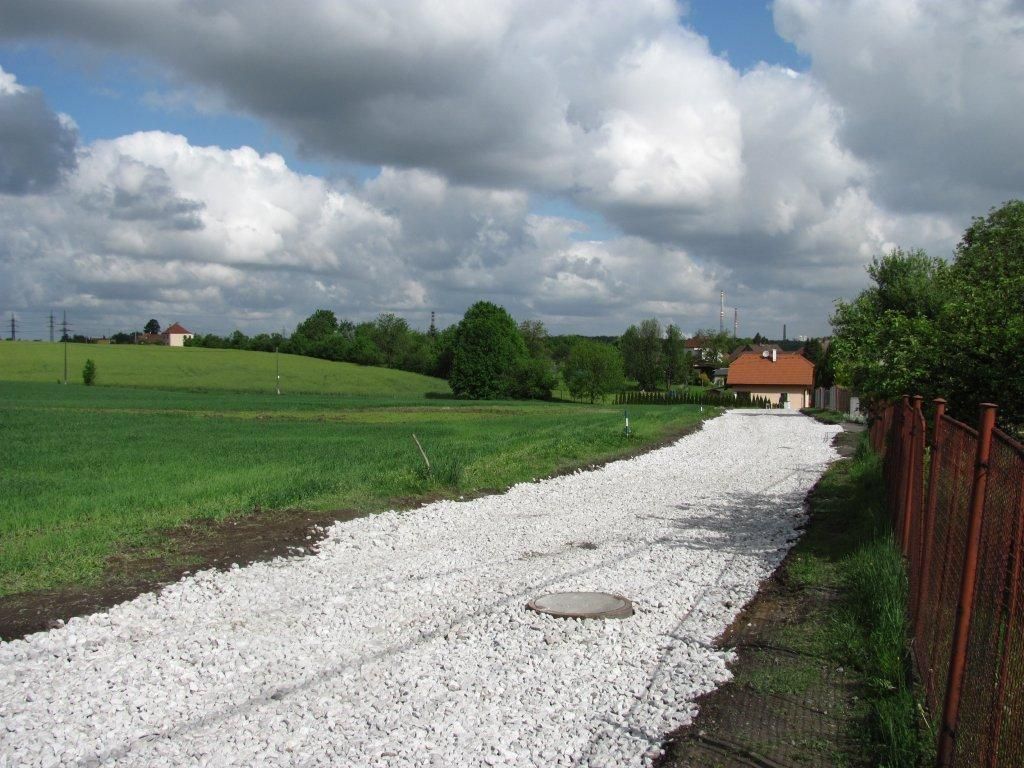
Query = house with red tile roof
x=759 y=348
x=784 y=378
x=175 y=335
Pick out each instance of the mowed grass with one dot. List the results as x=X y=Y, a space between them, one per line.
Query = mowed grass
x=195 y=368
x=90 y=471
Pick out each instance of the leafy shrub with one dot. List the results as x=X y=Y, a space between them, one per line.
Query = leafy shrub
x=533 y=378
x=593 y=370
x=89 y=373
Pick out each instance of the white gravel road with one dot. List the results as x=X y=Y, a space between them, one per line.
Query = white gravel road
x=404 y=641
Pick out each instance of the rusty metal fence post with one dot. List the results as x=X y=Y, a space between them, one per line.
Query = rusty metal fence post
x=929 y=510
x=899 y=511
x=958 y=653
x=909 y=474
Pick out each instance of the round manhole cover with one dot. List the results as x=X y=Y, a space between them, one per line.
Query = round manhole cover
x=583 y=605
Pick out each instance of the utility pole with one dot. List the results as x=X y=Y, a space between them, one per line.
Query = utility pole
x=51 y=327
x=64 y=336
x=14 y=334
x=721 y=313
x=277 y=360
x=735 y=322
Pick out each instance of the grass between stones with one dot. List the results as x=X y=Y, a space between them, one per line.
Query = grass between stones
x=92 y=473
x=826 y=416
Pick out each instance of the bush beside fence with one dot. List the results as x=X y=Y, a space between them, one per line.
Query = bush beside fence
x=959 y=519
x=720 y=399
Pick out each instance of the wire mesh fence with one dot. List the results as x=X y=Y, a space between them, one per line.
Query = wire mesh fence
x=987 y=717
x=957 y=508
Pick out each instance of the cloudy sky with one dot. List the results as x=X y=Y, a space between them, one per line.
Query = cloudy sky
x=240 y=163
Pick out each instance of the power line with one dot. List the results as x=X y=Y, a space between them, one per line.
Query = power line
x=64 y=328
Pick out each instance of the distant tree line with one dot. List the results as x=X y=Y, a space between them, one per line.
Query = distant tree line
x=386 y=341
x=487 y=355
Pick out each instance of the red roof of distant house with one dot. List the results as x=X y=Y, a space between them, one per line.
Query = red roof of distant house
x=176 y=328
x=695 y=343
x=758 y=348
x=789 y=369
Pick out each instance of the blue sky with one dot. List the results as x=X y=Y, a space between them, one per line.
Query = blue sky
x=588 y=164
x=109 y=95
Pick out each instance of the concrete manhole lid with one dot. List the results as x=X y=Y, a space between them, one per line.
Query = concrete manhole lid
x=583 y=605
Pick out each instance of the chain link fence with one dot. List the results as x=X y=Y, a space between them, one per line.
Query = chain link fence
x=956 y=503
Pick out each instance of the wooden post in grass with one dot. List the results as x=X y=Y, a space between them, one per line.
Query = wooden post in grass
x=965 y=605
x=422 y=452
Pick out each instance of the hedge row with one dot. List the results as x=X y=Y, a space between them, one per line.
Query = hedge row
x=723 y=399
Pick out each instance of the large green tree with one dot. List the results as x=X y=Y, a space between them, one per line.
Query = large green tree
x=487 y=353
x=936 y=329
x=675 y=357
x=886 y=341
x=716 y=346
x=641 y=351
x=593 y=370
x=314 y=336
x=982 y=323
x=535 y=336
x=392 y=336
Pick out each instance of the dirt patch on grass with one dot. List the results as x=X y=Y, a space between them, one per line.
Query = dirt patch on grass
x=198 y=545
x=203 y=544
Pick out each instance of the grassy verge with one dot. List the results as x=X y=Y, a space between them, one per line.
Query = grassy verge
x=826 y=416
x=849 y=548
x=90 y=471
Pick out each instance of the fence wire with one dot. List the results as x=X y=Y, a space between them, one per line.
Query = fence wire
x=989 y=731
x=937 y=613
x=929 y=495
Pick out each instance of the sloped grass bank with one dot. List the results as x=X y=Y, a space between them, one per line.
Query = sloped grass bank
x=196 y=368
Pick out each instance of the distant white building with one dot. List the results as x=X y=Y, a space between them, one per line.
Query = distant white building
x=175 y=335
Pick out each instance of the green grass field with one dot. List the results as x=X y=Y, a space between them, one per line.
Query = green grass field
x=90 y=471
x=195 y=368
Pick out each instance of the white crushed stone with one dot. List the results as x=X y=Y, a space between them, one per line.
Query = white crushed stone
x=404 y=641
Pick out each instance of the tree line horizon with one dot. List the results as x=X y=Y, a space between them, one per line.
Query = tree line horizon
x=487 y=355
